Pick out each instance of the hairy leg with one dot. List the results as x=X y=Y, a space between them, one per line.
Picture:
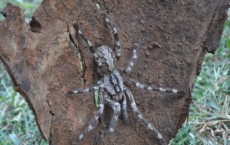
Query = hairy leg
x=77 y=29
x=116 y=112
x=115 y=34
x=140 y=117
x=93 y=122
x=133 y=59
x=154 y=88
x=124 y=107
x=99 y=84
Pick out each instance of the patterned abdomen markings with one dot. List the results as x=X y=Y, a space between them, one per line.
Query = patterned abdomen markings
x=105 y=60
x=114 y=83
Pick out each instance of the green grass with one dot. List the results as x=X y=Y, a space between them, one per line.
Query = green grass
x=209 y=119
x=29 y=6
x=17 y=122
x=208 y=123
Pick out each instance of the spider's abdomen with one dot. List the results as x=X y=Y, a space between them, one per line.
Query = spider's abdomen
x=105 y=60
x=114 y=83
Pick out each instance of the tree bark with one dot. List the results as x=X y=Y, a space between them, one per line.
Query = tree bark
x=44 y=63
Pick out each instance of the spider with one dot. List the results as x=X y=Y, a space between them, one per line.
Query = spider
x=112 y=87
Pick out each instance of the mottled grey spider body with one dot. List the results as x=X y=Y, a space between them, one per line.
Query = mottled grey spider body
x=105 y=60
x=111 y=86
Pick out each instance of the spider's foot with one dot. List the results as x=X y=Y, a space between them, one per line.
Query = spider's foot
x=181 y=93
x=111 y=130
x=70 y=93
x=75 y=142
x=136 y=45
x=75 y=24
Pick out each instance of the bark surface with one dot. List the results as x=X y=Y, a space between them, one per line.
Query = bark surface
x=44 y=63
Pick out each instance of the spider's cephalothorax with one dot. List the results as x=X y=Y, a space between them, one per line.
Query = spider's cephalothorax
x=112 y=86
x=105 y=60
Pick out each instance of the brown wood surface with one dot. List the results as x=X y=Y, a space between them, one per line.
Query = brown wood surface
x=43 y=63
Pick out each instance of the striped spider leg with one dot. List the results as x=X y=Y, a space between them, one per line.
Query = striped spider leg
x=132 y=61
x=116 y=107
x=77 y=29
x=93 y=122
x=154 y=88
x=98 y=85
x=115 y=34
x=140 y=117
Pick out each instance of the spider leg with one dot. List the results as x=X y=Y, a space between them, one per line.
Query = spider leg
x=115 y=34
x=154 y=88
x=77 y=29
x=92 y=123
x=133 y=59
x=140 y=117
x=124 y=107
x=116 y=112
x=86 y=90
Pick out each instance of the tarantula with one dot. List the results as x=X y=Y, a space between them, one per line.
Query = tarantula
x=111 y=86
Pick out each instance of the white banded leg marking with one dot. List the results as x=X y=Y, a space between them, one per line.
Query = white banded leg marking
x=86 y=90
x=129 y=68
x=111 y=129
x=115 y=34
x=118 y=43
x=147 y=87
x=89 y=43
x=162 y=89
x=81 y=136
x=174 y=91
x=124 y=107
x=90 y=127
x=107 y=20
x=77 y=29
x=134 y=54
x=114 y=31
x=139 y=85
x=140 y=116
x=79 y=32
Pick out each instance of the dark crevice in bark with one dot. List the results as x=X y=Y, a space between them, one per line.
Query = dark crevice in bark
x=80 y=55
x=3 y=13
x=35 y=25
